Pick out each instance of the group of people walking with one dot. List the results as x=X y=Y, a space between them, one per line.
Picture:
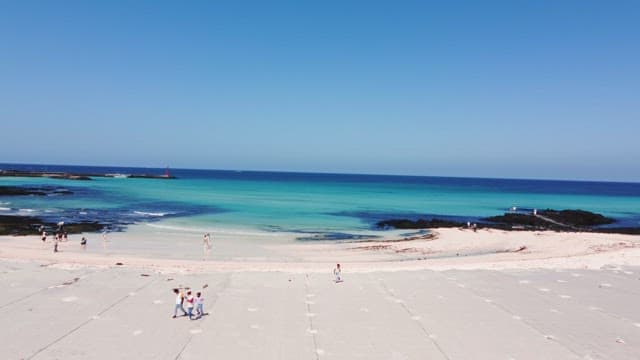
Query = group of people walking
x=191 y=301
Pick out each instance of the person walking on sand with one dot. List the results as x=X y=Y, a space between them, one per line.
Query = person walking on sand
x=337 y=272
x=199 y=305
x=56 y=240
x=104 y=240
x=206 y=244
x=179 y=301
x=44 y=236
x=190 y=304
x=83 y=243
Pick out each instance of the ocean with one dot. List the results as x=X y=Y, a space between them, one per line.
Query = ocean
x=338 y=204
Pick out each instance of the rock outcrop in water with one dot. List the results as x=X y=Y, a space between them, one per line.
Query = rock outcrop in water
x=29 y=225
x=557 y=220
x=33 y=190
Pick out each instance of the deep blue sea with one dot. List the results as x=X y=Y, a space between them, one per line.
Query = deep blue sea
x=303 y=202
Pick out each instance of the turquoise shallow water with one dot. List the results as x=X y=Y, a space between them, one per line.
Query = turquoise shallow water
x=305 y=202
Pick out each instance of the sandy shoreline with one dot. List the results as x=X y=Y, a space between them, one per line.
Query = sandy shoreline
x=446 y=249
x=459 y=295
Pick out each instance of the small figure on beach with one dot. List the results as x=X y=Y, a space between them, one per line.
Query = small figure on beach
x=65 y=235
x=44 y=236
x=83 y=243
x=535 y=212
x=199 y=305
x=190 y=304
x=179 y=302
x=468 y=225
x=206 y=244
x=104 y=239
x=474 y=227
x=56 y=240
x=337 y=272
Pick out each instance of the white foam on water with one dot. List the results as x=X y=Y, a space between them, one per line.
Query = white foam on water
x=156 y=214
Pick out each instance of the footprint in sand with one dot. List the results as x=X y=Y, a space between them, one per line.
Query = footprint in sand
x=252 y=309
x=604 y=285
x=70 y=299
x=516 y=317
x=549 y=337
x=158 y=302
x=195 y=331
x=554 y=311
x=255 y=326
x=565 y=296
x=320 y=351
x=95 y=317
x=544 y=289
x=137 y=332
x=594 y=308
x=132 y=294
x=524 y=282
x=416 y=318
x=488 y=301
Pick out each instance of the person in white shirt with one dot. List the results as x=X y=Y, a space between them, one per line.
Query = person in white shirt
x=337 y=272
x=179 y=301
x=199 y=305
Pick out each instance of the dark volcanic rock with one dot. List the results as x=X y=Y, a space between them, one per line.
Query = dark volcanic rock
x=525 y=220
x=26 y=190
x=577 y=218
x=29 y=225
x=417 y=224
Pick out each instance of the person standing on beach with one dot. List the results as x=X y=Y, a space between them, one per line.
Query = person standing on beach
x=104 y=239
x=190 y=304
x=56 y=240
x=206 y=244
x=179 y=301
x=44 y=236
x=337 y=272
x=83 y=243
x=199 y=305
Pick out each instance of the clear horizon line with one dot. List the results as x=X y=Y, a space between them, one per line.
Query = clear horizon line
x=335 y=173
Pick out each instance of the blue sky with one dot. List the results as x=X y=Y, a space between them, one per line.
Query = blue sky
x=532 y=89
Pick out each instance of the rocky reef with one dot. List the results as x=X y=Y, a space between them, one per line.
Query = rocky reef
x=33 y=190
x=30 y=225
x=556 y=220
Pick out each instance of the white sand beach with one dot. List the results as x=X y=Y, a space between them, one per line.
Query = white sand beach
x=456 y=295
